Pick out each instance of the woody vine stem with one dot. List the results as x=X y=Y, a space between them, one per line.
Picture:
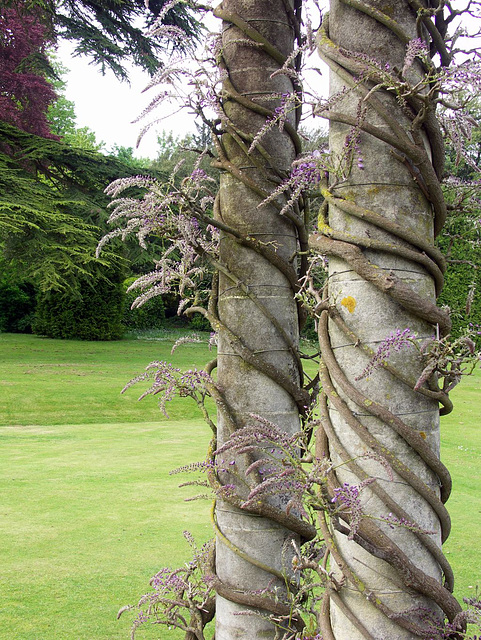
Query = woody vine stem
x=259 y=369
x=377 y=225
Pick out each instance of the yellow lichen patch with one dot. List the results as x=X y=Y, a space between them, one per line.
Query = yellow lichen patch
x=423 y=435
x=350 y=303
x=325 y=229
x=325 y=192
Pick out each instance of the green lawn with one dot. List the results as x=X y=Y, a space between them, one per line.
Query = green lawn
x=88 y=512
x=51 y=382
x=461 y=453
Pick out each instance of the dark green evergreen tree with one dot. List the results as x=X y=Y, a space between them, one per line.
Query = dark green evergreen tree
x=460 y=240
x=108 y=31
x=52 y=205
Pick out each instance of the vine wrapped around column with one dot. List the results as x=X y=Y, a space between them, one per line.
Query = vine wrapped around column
x=259 y=369
x=377 y=227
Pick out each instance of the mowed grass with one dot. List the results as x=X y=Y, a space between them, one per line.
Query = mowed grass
x=49 y=382
x=461 y=453
x=88 y=510
x=88 y=515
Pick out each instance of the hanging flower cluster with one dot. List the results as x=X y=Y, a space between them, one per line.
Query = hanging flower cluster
x=394 y=342
x=180 y=214
x=168 y=382
x=182 y=598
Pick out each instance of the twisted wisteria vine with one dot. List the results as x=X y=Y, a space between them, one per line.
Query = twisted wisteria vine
x=373 y=242
x=259 y=369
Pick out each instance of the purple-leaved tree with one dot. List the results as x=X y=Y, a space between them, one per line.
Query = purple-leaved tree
x=25 y=92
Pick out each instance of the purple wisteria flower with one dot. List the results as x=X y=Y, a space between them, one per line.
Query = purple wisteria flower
x=193 y=338
x=306 y=174
x=414 y=49
x=289 y=103
x=347 y=499
x=167 y=580
x=180 y=215
x=307 y=171
x=394 y=342
x=169 y=382
x=395 y=522
x=198 y=175
x=352 y=147
x=275 y=465
x=179 y=594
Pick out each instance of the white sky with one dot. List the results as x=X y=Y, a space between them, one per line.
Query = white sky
x=108 y=106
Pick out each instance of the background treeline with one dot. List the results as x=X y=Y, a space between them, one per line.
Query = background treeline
x=53 y=209
x=52 y=195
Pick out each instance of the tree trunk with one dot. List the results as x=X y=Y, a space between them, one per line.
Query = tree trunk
x=383 y=274
x=257 y=313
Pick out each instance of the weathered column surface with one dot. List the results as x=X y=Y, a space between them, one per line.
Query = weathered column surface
x=379 y=222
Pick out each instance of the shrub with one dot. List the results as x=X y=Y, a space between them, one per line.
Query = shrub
x=93 y=312
x=309 y=331
x=199 y=323
x=462 y=286
x=17 y=306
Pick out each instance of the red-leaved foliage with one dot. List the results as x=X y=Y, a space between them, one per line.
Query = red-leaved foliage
x=25 y=93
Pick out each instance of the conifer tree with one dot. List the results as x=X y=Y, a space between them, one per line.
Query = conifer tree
x=107 y=31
